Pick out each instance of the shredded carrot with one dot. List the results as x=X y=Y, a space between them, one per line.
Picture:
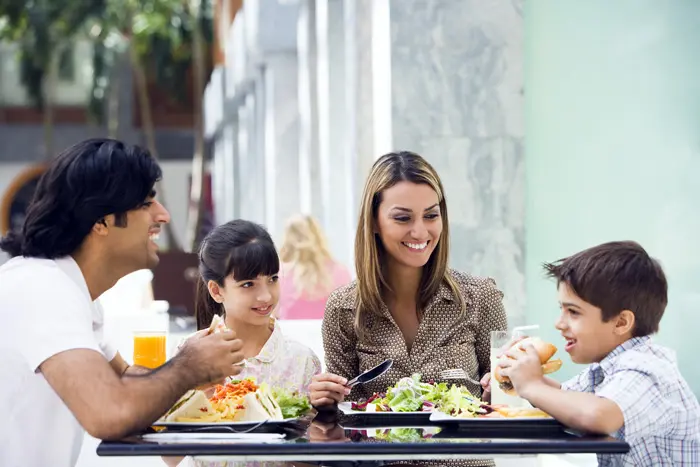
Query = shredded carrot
x=233 y=390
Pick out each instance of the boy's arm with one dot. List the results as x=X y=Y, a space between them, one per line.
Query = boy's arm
x=579 y=410
x=629 y=398
x=552 y=382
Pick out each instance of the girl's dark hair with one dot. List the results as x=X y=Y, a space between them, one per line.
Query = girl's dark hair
x=239 y=248
x=83 y=184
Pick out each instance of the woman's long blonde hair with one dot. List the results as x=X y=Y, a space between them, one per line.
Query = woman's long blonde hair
x=386 y=172
x=304 y=247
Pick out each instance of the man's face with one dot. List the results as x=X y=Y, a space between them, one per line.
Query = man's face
x=134 y=245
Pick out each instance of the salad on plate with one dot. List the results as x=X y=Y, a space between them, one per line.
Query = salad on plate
x=411 y=395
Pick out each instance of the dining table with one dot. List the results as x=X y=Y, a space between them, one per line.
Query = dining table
x=335 y=439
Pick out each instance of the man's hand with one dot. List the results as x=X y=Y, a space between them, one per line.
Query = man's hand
x=210 y=358
x=523 y=368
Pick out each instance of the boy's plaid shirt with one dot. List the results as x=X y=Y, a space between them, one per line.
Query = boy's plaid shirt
x=662 y=415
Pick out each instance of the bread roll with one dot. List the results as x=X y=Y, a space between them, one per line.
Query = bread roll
x=544 y=350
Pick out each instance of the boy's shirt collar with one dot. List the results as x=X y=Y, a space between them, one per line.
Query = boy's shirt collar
x=606 y=364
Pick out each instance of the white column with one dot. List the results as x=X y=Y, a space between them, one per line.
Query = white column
x=309 y=161
x=359 y=97
x=336 y=165
x=281 y=141
x=456 y=91
x=231 y=170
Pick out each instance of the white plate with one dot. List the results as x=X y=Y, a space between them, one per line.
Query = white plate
x=437 y=416
x=214 y=438
x=346 y=408
x=237 y=425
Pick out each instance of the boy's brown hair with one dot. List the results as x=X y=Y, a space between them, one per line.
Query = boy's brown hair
x=617 y=276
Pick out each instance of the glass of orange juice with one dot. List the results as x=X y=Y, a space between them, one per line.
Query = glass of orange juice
x=149 y=348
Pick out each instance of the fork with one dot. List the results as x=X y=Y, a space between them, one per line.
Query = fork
x=457 y=373
x=218 y=428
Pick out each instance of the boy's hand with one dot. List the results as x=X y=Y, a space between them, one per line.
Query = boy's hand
x=523 y=368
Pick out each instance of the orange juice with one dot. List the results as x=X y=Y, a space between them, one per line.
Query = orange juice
x=149 y=349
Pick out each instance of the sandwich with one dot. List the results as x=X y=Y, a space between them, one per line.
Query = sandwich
x=217 y=325
x=258 y=406
x=192 y=405
x=545 y=350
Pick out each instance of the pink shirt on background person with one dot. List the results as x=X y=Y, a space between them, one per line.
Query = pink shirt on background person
x=296 y=305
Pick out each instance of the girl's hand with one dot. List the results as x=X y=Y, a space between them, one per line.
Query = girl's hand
x=327 y=389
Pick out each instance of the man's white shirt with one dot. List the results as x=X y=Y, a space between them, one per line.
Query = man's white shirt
x=45 y=309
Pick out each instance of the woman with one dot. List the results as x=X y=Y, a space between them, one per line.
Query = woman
x=405 y=304
x=309 y=273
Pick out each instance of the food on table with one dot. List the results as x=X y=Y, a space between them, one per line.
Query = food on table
x=292 y=403
x=404 y=435
x=518 y=412
x=217 y=325
x=238 y=401
x=545 y=350
x=412 y=395
x=193 y=404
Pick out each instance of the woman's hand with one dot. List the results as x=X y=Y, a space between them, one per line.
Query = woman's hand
x=320 y=432
x=327 y=389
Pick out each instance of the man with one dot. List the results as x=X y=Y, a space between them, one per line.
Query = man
x=93 y=220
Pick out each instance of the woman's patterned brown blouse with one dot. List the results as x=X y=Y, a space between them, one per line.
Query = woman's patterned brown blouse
x=446 y=338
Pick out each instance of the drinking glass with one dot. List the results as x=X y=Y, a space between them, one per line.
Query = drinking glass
x=499 y=343
x=149 y=348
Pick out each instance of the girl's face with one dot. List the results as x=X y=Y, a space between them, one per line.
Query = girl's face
x=249 y=301
x=409 y=223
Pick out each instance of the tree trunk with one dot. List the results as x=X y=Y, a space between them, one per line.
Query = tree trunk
x=113 y=100
x=196 y=212
x=149 y=132
x=48 y=89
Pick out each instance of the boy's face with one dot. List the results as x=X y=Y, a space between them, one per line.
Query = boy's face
x=588 y=338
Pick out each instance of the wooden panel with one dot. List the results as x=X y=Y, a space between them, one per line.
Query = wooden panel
x=32 y=115
x=224 y=13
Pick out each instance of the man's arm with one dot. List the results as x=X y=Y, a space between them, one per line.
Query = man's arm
x=580 y=410
x=106 y=405
x=122 y=368
x=110 y=407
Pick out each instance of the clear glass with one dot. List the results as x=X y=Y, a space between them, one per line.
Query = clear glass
x=149 y=348
x=531 y=330
x=500 y=341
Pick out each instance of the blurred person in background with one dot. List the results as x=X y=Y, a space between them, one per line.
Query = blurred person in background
x=309 y=272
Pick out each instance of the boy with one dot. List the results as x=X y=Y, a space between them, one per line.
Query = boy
x=612 y=298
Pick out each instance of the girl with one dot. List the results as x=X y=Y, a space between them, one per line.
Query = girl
x=239 y=272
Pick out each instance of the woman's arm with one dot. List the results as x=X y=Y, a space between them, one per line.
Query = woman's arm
x=339 y=340
x=340 y=347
